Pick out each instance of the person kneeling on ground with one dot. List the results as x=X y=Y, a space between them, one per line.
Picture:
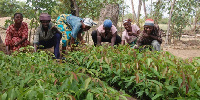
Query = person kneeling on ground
x=150 y=36
x=130 y=34
x=72 y=28
x=16 y=34
x=106 y=33
x=47 y=35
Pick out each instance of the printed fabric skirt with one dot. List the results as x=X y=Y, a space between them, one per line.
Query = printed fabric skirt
x=132 y=44
x=65 y=29
x=17 y=39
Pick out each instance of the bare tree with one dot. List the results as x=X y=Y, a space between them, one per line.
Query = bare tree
x=74 y=8
x=169 y=22
x=138 y=14
x=111 y=11
x=151 y=8
x=196 y=18
x=157 y=13
x=136 y=18
x=133 y=10
x=145 y=11
x=1 y=40
x=122 y=19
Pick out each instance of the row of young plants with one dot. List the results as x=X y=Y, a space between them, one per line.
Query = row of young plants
x=36 y=76
x=149 y=75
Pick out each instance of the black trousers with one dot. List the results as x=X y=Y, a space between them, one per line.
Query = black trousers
x=94 y=38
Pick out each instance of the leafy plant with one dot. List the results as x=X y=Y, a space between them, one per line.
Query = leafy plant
x=155 y=75
x=27 y=75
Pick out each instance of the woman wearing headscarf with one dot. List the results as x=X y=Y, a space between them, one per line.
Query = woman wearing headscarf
x=72 y=28
x=47 y=35
x=106 y=33
x=150 y=36
x=16 y=34
x=130 y=34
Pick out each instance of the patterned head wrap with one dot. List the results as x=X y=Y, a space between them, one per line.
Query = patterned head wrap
x=149 y=22
x=88 y=22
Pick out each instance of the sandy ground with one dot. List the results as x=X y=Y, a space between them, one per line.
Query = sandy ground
x=188 y=47
x=184 y=53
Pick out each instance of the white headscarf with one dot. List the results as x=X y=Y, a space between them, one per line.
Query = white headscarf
x=88 y=22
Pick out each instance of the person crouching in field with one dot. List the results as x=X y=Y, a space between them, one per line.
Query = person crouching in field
x=16 y=34
x=72 y=28
x=47 y=35
x=130 y=34
x=106 y=33
x=150 y=36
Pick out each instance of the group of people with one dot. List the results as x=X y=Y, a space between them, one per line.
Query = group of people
x=70 y=29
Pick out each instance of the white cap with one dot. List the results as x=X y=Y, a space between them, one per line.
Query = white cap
x=88 y=22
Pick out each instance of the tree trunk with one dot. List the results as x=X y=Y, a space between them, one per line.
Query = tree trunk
x=111 y=12
x=145 y=11
x=195 y=22
x=138 y=14
x=196 y=19
x=157 y=12
x=73 y=11
x=151 y=8
x=74 y=8
x=133 y=10
x=169 y=22
x=122 y=19
x=1 y=40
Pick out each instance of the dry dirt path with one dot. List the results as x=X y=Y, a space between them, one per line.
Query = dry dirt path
x=183 y=53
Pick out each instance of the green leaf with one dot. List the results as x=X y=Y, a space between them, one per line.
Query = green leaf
x=89 y=96
x=128 y=84
x=160 y=84
x=171 y=88
x=149 y=60
x=156 y=72
x=13 y=94
x=198 y=61
x=140 y=93
x=4 y=96
x=156 y=96
x=40 y=85
x=87 y=81
x=123 y=97
x=170 y=63
x=115 y=79
x=198 y=93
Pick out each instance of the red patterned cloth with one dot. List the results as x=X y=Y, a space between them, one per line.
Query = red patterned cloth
x=13 y=36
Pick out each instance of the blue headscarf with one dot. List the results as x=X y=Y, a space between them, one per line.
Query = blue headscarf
x=107 y=23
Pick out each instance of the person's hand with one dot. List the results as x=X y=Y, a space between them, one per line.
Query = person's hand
x=16 y=44
x=83 y=41
x=145 y=35
x=130 y=33
x=136 y=47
